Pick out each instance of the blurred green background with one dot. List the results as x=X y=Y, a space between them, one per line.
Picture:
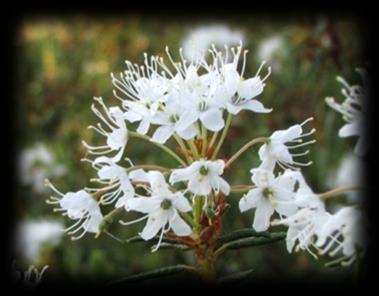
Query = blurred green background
x=63 y=63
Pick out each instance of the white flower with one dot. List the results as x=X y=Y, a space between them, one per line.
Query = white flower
x=32 y=235
x=342 y=233
x=116 y=138
x=162 y=209
x=175 y=100
x=169 y=121
x=307 y=221
x=79 y=206
x=146 y=93
x=304 y=196
x=350 y=173
x=277 y=148
x=203 y=176
x=237 y=92
x=303 y=226
x=37 y=163
x=273 y=50
x=271 y=194
x=198 y=40
x=201 y=101
x=118 y=183
x=353 y=110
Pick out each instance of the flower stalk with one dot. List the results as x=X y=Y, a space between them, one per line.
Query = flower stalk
x=161 y=146
x=244 y=148
x=223 y=135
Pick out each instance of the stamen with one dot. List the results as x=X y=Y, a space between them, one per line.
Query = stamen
x=93 y=147
x=244 y=62
x=343 y=82
x=301 y=145
x=302 y=163
x=306 y=121
x=74 y=225
x=133 y=221
x=312 y=131
x=49 y=184
x=260 y=68
x=100 y=131
x=300 y=154
x=159 y=241
x=267 y=75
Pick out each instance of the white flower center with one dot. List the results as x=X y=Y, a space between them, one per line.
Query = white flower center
x=166 y=204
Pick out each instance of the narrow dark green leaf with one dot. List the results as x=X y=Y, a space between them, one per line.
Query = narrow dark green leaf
x=256 y=241
x=236 y=277
x=137 y=239
x=251 y=242
x=241 y=233
x=162 y=272
x=173 y=246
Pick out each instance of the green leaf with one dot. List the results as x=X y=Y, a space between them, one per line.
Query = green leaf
x=235 y=277
x=137 y=239
x=158 y=273
x=251 y=242
x=241 y=233
x=173 y=246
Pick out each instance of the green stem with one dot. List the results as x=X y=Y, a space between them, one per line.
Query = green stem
x=193 y=148
x=205 y=263
x=204 y=144
x=197 y=209
x=338 y=191
x=244 y=148
x=213 y=140
x=183 y=147
x=148 y=167
x=163 y=147
x=223 y=135
x=241 y=188
x=108 y=220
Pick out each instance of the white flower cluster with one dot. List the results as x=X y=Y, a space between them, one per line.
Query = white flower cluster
x=33 y=235
x=186 y=101
x=182 y=102
x=35 y=164
x=353 y=110
x=197 y=41
x=310 y=225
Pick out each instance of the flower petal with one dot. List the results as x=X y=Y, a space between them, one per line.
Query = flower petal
x=143 y=204
x=184 y=174
x=181 y=203
x=255 y=106
x=153 y=225
x=143 y=126
x=200 y=186
x=232 y=78
x=262 y=215
x=162 y=134
x=180 y=227
x=186 y=120
x=291 y=238
x=188 y=133
x=250 y=200
x=250 y=88
x=349 y=129
x=212 y=119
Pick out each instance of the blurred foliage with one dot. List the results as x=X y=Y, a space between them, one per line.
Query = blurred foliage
x=63 y=63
